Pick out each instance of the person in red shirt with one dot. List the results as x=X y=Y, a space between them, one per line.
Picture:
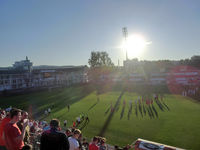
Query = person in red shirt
x=93 y=145
x=12 y=134
x=74 y=124
x=5 y=121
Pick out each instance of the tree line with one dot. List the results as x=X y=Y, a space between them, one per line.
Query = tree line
x=101 y=59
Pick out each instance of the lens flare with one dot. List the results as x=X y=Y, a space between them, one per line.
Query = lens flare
x=134 y=45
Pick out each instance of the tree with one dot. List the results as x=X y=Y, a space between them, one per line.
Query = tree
x=195 y=61
x=100 y=65
x=100 y=59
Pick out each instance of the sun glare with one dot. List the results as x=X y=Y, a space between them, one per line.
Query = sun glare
x=134 y=45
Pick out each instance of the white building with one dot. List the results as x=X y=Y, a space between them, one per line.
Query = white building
x=23 y=75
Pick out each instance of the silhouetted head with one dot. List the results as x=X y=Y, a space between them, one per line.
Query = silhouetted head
x=54 y=123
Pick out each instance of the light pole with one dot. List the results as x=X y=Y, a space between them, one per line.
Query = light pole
x=125 y=35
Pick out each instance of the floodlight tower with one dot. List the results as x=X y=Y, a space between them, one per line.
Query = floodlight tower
x=125 y=35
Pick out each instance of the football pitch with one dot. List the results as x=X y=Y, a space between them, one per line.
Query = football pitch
x=177 y=123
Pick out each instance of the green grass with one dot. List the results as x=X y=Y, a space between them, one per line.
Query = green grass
x=178 y=127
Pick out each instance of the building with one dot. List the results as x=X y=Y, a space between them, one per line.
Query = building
x=23 y=75
x=131 y=65
x=161 y=72
x=25 y=65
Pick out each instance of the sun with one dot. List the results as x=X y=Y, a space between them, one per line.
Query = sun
x=134 y=45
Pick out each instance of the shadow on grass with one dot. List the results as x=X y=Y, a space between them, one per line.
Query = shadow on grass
x=159 y=105
x=57 y=100
x=154 y=109
x=93 y=105
x=107 y=110
x=86 y=122
x=149 y=113
x=136 y=111
x=144 y=110
x=107 y=122
x=140 y=109
x=166 y=106
x=129 y=111
x=117 y=108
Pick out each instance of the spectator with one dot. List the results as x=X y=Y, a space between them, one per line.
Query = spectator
x=12 y=134
x=80 y=141
x=54 y=139
x=85 y=144
x=93 y=145
x=103 y=145
x=78 y=120
x=34 y=127
x=27 y=147
x=74 y=124
x=68 y=132
x=117 y=148
x=46 y=127
x=20 y=125
x=46 y=112
x=73 y=140
x=2 y=115
x=8 y=109
x=49 y=110
x=5 y=121
x=65 y=123
x=30 y=123
x=127 y=147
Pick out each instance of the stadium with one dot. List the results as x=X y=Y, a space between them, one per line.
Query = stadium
x=120 y=108
x=99 y=75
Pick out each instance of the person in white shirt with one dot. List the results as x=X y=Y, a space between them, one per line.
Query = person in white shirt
x=73 y=140
x=46 y=112
x=65 y=123
x=78 y=119
x=49 y=110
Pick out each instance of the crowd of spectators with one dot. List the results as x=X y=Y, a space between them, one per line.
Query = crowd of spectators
x=19 y=132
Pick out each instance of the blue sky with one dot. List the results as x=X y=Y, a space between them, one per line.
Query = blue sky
x=61 y=32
